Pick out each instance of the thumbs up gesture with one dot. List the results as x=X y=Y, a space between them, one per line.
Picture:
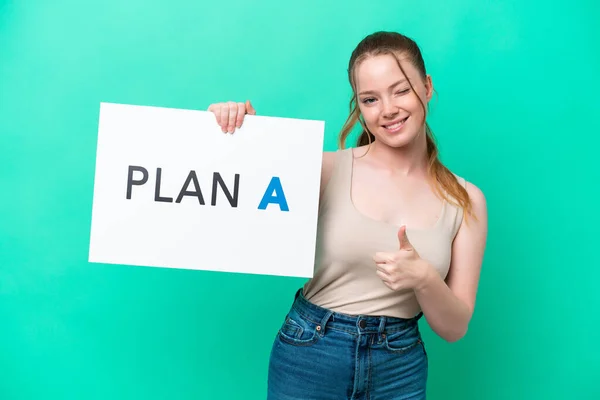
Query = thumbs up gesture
x=402 y=269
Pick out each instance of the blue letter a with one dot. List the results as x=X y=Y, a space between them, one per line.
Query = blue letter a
x=274 y=194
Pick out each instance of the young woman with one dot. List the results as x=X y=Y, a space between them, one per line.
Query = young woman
x=399 y=236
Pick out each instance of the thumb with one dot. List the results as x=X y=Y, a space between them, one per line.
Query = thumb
x=403 y=239
x=250 y=109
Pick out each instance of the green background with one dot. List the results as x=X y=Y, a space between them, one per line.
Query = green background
x=515 y=113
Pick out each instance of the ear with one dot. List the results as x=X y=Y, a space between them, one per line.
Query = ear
x=429 y=87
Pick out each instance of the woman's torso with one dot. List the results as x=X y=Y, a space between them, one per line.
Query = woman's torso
x=360 y=214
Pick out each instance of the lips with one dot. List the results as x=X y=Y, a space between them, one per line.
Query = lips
x=396 y=125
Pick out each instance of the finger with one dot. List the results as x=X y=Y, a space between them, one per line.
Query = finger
x=382 y=257
x=232 y=116
x=383 y=269
x=241 y=110
x=403 y=239
x=224 y=117
x=216 y=110
x=384 y=278
x=250 y=108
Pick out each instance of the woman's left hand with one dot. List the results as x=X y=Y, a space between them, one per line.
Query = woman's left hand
x=403 y=269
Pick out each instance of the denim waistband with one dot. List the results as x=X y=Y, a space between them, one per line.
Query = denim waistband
x=360 y=323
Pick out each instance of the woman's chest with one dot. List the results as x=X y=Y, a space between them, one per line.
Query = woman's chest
x=394 y=200
x=346 y=238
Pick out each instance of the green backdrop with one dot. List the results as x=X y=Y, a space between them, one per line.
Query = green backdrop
x=515 y=112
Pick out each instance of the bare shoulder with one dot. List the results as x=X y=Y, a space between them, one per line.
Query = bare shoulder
x=472 y=233
x=477 y=198
x=328 y=161
x=327 y=165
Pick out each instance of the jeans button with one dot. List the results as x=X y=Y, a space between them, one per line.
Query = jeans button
x=362 y=324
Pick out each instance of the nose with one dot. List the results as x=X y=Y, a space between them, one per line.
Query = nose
x=389 y=109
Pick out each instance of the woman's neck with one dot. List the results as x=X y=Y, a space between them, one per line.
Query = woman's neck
x=409 y=160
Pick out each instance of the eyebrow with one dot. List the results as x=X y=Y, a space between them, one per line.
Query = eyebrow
x=391 y=86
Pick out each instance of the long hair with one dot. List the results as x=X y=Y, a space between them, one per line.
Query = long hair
x=445 y=183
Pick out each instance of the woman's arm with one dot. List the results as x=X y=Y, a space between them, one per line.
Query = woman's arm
x=448 y=306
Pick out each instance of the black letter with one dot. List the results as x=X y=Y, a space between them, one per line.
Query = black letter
x=232 y=200
x=131 y=182
x=191 y=177
x=157 y=189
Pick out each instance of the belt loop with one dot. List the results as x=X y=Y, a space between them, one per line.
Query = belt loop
x=381 y=330
x=323 y=324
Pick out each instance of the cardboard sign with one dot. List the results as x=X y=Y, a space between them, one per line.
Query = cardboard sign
x=172 y=190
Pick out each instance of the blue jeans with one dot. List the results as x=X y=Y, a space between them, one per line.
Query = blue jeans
x=319 y=354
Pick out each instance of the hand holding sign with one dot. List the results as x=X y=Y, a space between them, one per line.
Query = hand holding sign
x=403 y=269
x=230 y=115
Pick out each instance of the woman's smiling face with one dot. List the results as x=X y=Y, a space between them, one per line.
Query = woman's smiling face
x=391 y=109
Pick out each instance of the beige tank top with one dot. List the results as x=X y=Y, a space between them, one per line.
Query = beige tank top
x=345 y=278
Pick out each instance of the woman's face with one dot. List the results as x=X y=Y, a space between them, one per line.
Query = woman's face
x=391 y=110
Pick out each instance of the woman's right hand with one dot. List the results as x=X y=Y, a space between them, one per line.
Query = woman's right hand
x=230 y=115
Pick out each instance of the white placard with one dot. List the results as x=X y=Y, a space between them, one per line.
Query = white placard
x=172 y=190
